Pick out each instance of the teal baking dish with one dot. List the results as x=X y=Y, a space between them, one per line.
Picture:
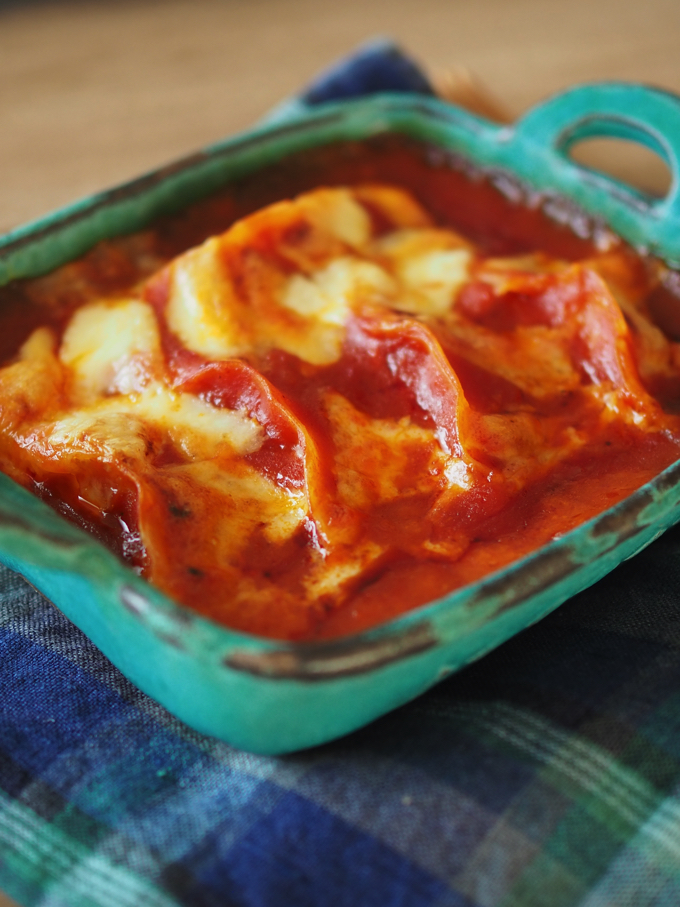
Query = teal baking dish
x=275 y=697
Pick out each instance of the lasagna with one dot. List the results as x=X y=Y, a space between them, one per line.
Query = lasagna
x=337 y=409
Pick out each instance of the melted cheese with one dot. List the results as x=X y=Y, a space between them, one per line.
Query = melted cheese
x=111 y=348
x=338 y=213
x=276 y=415
x=199 y=309
x=431 y=265
x=324 y=302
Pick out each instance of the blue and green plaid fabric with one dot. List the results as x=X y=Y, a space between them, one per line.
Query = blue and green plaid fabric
x=546 y=775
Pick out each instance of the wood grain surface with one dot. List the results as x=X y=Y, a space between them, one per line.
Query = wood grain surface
x=93 y=93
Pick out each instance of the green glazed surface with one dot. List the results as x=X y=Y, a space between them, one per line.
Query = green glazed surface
x=273 y=697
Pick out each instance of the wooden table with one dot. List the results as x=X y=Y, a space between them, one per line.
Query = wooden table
x=95 y=93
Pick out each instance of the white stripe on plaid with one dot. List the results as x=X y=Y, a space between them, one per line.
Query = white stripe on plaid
x=592 y=769
x=71 y=875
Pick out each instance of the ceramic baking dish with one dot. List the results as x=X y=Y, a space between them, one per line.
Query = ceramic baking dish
x=274 y=697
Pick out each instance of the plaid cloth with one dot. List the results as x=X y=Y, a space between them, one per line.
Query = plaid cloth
x=545 y=775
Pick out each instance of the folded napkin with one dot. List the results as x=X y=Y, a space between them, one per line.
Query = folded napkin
x=545 y=775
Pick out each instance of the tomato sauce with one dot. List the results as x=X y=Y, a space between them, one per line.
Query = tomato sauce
x=420 y=379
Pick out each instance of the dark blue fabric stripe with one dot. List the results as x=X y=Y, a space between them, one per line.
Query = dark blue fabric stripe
x=28 y=614
x=54 y=713
x=301 y=854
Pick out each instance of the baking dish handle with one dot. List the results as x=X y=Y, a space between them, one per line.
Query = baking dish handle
x=540 y=141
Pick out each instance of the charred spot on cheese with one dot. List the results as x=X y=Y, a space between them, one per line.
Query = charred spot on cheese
x=298 y=424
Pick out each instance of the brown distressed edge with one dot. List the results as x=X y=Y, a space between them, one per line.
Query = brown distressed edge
x=328 y=661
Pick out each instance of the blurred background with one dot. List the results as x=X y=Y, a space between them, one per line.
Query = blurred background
x=92 y=93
